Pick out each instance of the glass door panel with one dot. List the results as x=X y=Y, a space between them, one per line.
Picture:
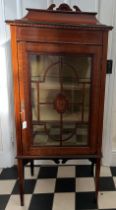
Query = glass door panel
x=46 y=134
x=48 y=113
x=75 y=135
x=60 y=99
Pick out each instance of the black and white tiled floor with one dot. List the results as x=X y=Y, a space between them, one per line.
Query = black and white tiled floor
x=58 y=188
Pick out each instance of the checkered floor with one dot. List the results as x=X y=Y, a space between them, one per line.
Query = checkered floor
x=58 y=188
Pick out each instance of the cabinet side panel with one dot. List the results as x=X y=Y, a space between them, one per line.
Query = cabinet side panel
x=102 y=88
x=16 y=90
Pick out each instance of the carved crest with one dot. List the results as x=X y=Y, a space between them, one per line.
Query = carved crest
x=51 y=7
x=63 y=7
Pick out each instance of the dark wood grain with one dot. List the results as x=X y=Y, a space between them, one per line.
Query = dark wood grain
x=44 y=35
x=21 y=180
x=16 y=89
x=58 y=32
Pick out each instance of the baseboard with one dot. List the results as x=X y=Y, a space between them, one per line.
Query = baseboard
x=69 y=162
x=6 y=159
x=113 y=161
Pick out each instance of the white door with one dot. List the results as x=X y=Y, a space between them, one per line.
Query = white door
x=107 y=15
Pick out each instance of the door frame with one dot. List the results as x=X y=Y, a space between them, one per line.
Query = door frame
x=24 y=77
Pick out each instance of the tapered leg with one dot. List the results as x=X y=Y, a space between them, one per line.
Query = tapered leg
x=93 y=162
x=97 y=176
x=92 y=169
x=21 y=180
x=32 y=167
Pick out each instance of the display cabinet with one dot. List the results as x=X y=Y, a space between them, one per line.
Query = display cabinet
x=59 y=67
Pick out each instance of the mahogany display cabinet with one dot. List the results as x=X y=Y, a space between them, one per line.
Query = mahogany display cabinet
x=59 y=65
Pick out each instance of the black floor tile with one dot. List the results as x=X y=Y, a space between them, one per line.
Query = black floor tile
x=3 y=201
x=83 y=171
x=113 y=171
x=48 y=172
x=86 y=201
x=9 y=173
x=41 y=202
x=65 y=185
x=106 y=184
x=28 y=187
x=44 y=201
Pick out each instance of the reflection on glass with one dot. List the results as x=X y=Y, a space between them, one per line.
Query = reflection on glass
x=60 y=98
x=34 y=101
x=46 y=95
x=79 y=136
x=46 y=135
x=48 y=113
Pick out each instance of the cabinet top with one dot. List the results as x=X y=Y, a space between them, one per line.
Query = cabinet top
x=63 y=16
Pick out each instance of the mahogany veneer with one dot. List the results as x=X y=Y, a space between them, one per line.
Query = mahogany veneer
x=59 y=67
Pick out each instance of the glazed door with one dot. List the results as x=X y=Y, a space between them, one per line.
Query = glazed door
x=59 y=98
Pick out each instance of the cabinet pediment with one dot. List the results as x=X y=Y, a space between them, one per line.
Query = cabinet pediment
x=62 y=16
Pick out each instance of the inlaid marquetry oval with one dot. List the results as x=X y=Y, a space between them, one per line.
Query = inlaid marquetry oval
x=61 y=103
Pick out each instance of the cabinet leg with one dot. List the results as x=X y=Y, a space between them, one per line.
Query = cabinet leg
x=97 y=176
x=32 y=167
x=21 y=180
x=93 y=162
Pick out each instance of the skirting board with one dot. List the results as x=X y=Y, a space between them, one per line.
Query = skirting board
x=113 y=161
x=6 y=160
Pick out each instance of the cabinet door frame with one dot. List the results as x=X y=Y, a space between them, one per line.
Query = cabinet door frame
x=23 y=50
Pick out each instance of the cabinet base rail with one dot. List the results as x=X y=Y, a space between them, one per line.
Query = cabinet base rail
x=95 y=160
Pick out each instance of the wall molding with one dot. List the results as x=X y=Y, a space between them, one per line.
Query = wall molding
x=5 y=111
x=7 y=149
x=2 y=23
x=6 y=159
x=50 y=2
x=66 y=1
x=113 y=80
x=107 y=139
x=113 y=160
x=1 y=145
x=19 y=8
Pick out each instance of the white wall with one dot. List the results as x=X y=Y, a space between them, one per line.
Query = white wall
x=7 y=131
x=113 y=78
x=107 y=129
x=7 y=127
x=1 y=147
x=15 y=9
x=9 y=10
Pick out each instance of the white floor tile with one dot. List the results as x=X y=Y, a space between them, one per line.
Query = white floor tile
x=45 y=186
x=78 y=162
x=85 y=184
x=64 y=201
x=105 y=171
x=28 y=173
x=66 y=171
x=6 y=186
x=107 y=200
x=14 y=203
